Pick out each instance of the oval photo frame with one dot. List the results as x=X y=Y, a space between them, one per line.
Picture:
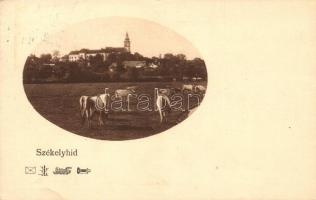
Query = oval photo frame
x=115 y=79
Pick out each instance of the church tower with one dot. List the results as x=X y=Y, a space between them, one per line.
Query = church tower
x=127 y=43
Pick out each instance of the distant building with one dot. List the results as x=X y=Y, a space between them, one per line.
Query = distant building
x=86 y=53
x=153 y=66
x=64 y=58
x=128 y=64
x=49 y=64
x=127 y=43
x=112 y=67
x=136 y=64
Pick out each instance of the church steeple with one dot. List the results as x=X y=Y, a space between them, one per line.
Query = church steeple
x=127 y=43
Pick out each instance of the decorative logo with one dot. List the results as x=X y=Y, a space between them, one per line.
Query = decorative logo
x=30 y=170
x=63 y=171
x=43 y=171
x=83 y=171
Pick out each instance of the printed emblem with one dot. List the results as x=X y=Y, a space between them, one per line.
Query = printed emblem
x=30 y=170
x=63 y=171
x=83 y=171
x=43 y=171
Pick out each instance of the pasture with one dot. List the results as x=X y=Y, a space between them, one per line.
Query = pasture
x=59 y=103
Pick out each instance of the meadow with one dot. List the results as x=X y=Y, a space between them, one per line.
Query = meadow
x=59 y=103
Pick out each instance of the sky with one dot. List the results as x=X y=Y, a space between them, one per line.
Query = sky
x=147 y=38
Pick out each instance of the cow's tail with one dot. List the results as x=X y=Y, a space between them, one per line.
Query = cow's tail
x=168 y=103
x=82 y=104
x=160 y=114
x=159 y=107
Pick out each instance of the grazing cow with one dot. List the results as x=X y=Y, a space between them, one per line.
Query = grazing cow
x=83 y=106
x=131 y=88
x=161 y=98
x=90 y=105
x=123 y=92
x=187 y=87
x=199 y=88
x=168 y=91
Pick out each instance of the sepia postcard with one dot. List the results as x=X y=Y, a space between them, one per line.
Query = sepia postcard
x=157 y=100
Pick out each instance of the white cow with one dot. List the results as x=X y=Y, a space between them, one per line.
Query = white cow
x=90 y=105
x=123 y=92
x=131 y=88
x=187 y=87
x=83 y=105
x=166 y=91
x=161 y=99
x=199 y=88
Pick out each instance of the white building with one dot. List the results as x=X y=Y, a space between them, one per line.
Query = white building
x=86 y=53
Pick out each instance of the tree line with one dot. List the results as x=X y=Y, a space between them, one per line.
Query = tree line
x=50 y=68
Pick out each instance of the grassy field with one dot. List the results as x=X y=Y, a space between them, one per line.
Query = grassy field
x=59 y=103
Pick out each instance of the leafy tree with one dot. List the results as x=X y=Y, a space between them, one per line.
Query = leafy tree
x=55 y=56
x=96 y=61
x=45 y=58
x=138 y=56
x=31 y=69
x=181 y=57
x=96 y=69
x=45 y=71
x=59 y=71
x=132 y=74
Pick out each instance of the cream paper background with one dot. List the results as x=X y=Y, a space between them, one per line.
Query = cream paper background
x=253 y=137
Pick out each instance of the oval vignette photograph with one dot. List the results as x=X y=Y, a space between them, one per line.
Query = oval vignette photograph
x=115 y=78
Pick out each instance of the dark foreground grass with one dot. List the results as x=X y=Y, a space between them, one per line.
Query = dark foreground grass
x=59 y=103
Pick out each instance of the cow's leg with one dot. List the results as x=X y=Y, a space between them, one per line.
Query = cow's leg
x=82 y=120
x=100 y=119
x=84 y=116
x=160 y=114
x=105 y=117
x=89 y=120
x=164 y=116
x=90 y=116
x=83 y=108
